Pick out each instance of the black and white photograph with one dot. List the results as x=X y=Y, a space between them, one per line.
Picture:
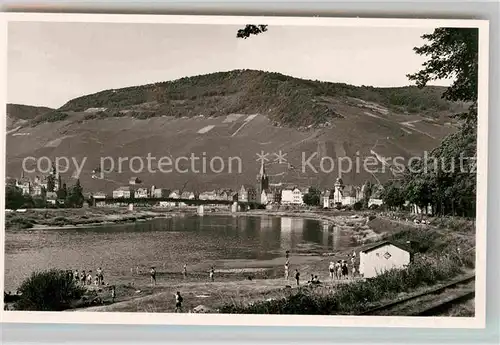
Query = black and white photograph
x=244 y=170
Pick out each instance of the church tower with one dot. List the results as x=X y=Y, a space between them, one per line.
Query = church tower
x=338 y=193
x=262 y=181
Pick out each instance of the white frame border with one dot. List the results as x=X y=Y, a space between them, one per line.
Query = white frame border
x=270 y=320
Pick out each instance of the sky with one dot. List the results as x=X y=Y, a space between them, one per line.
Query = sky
x=51 y=63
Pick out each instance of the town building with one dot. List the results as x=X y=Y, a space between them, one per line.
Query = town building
x=373 y=201
x=233 y=195
x=247 y=193
x=51 y=198
x=273 y=195
x=188 y=195
x=292 y=196
x=212 y=195
x=380 y=257
x=341 y=195
x=326 y=200
x=141 y=193
x=134 y=180
x=263 y=198
x=338 y=191
x=161 y=193
x=175 y=194
x=25 y=186
x=224 y=194
x=124 y=192
x=99 y=195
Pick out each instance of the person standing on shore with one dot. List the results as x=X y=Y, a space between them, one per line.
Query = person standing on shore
x=184 y=271
x=345 y=271
x=89 y=278
x=100 y=276
x=287 y=268
x=152 y=272
x=212 y=273
x=297 y=276
x=178 y=302
x=331 y=269
x=338 y=270
x=113 y=294
x=83 y=277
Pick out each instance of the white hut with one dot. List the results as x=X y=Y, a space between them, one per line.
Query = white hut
x=382 y=256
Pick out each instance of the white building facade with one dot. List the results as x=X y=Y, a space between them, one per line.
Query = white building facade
x=381 y=257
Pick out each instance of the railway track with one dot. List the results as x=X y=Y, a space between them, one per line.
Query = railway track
x=430 y=302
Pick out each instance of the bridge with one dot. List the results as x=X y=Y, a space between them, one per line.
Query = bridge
x=154 y=201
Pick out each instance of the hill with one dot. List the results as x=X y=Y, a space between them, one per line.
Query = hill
x=237 y=114
x=285 y=100
x=19 y=114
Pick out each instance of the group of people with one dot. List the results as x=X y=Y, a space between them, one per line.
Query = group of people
x=86 y=278
x=337 y=270
x=152 y=273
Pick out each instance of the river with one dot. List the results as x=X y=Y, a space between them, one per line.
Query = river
x=168 y=244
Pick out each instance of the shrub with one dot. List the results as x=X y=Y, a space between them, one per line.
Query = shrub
x=358 y=296
x=19 y=223
x=52 y=290
x=51 y=116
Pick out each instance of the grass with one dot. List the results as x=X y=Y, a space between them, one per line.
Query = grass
x=358 y=296
x=440 y=253
x=466 y=309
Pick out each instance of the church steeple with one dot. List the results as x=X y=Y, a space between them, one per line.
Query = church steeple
x=262 y=178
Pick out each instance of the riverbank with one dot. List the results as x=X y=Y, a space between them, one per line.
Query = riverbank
x=74 y=218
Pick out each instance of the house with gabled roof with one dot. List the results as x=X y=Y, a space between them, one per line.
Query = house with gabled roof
x=375 y=259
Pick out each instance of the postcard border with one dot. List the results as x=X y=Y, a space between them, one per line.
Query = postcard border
x=272 y=320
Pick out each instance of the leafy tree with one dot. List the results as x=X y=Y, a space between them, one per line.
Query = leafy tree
x=251 y=29
x=367 y=192
x=39 y=202
x=75 y=196
x=52 y=290
x=393 y=196
x=43 y=193
x=14 y=197
x=453 y=53
x=51 y=183
x=62 y=193
x=312 y=197
x=357 y=206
